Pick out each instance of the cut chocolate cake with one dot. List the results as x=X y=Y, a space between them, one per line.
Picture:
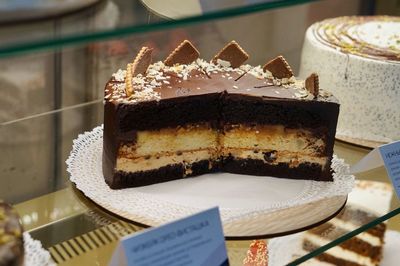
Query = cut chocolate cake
x=187 y=117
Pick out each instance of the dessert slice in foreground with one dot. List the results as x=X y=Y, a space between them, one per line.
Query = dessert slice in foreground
x=187 y=117
x=368 y=201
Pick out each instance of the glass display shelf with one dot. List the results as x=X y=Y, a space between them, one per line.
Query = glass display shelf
x=52 y=76
x=78 y=232
x=101 y=20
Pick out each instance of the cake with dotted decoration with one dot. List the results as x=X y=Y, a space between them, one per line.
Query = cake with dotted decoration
x=358 y=60
x=185 y=117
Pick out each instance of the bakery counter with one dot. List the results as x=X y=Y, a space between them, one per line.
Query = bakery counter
x=53 y=95
x=76 y=231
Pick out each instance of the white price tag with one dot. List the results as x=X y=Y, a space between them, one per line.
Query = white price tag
x=387 y=155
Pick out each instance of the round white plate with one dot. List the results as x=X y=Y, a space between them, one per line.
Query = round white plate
x=250 y=206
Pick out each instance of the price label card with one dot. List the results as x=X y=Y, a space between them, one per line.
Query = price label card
x=387 y=155
x=195 y=240
x=390 y=154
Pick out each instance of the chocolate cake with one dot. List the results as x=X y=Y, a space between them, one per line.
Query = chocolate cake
x=185 y=117
x=11 y=241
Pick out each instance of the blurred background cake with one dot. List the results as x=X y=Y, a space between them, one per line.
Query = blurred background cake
x=367 y=201
x=358 y=60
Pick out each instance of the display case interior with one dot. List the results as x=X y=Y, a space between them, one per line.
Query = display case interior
x=52 y=78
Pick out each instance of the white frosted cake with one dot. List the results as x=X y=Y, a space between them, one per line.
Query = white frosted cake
x=358 y=60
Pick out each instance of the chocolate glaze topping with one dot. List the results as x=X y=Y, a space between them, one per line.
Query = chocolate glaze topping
x=183 y=74
x=198 y=82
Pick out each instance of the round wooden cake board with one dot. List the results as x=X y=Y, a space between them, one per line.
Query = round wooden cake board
x=266 y=225
x=363 y=143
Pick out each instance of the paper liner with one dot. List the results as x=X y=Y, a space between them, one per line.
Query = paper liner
x=35 y=254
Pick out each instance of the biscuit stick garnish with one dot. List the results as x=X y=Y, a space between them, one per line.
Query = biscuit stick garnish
x=139 y=65
x=128 y=80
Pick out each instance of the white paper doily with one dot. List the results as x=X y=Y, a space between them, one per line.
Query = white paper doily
x=34 y=253
x=239 y=197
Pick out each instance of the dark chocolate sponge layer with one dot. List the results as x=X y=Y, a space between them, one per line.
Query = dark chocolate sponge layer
x=260 y=168
x=163 y=174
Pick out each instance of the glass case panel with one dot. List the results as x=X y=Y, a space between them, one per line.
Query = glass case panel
x=52 y=81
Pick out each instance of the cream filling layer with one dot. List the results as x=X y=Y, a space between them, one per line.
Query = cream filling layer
x=366 y=237
x=143 y=164
x=340 y=252
x=173 y=140
x=154 y=149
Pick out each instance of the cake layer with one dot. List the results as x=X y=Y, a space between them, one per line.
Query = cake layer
x=306 y=171
x=187 y=144
x=159 y=160
x=371 y=238
x=364 y=244
x=234 y=138
x=274 y=157
x=337 y=255
x=182 y=138
x=167 y=173
x=272 y=137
